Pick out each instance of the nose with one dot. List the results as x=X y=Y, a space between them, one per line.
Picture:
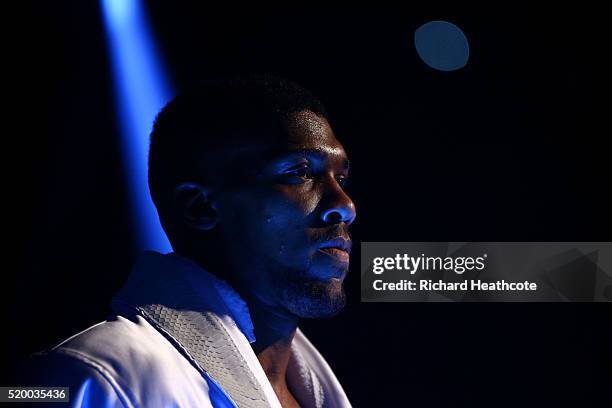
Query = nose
x=338 y=206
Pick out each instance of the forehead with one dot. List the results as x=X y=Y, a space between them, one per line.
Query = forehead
x=309 y=133
x=306 y=135
x=307 y=126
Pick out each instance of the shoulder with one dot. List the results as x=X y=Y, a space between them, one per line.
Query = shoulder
x=128 y=356
x=119 y=344
x=87 y=385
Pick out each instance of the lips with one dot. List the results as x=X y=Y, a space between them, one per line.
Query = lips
x=337 y=253
x=338 y=248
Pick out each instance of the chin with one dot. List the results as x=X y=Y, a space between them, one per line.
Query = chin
x=315 y=299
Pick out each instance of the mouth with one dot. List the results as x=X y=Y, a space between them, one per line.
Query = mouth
x=338 y=248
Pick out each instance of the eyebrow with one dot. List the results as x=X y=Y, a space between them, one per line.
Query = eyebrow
x=320 y=154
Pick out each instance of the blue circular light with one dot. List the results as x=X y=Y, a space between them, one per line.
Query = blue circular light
x=442 y=45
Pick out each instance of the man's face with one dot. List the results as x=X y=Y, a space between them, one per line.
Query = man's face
x=285 y=219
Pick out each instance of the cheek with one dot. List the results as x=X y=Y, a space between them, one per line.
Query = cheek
x=274 y=223
x=290 y=208
x=287 y=216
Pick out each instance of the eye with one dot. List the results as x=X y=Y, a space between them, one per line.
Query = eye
x=342 y=180
x=302 y=171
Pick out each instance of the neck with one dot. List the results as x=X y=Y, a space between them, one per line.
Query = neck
x=274 y=330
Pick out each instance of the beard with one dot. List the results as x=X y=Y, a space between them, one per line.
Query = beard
x=306 y=297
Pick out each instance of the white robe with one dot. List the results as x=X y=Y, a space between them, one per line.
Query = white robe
x=151 y=355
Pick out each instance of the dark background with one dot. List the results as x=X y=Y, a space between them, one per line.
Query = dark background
x=514 y=147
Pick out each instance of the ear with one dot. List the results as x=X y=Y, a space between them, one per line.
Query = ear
x=194 y=207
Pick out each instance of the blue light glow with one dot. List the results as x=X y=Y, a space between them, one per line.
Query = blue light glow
x=442 y=45
x=141 y=91
x=83 y=395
